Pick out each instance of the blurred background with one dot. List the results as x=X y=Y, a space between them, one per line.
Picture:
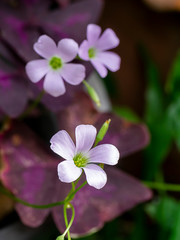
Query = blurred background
x=145 y=89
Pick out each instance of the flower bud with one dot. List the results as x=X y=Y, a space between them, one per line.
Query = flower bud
x=92 y=93
x=102 y=132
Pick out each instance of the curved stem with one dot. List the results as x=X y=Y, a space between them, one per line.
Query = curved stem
x=163 y=186
x=71 y=221
x=66 y=220
x=33 y=105
x=4 y=191
x=71 y=195
x=68 y=198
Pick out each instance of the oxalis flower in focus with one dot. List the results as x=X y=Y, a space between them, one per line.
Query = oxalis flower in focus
x=55 y=67
x=82 y=157
x=94 y=49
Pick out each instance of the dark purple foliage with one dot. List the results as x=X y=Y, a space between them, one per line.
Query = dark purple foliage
x=21 y=24
x=30 y=172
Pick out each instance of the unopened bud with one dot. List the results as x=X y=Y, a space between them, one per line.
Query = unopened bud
x=92 y=93
x=102 y=132
x=60 y=237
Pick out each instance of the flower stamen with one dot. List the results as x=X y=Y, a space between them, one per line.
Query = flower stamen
x=55 y=63
x=80 y=160
x=92 y=52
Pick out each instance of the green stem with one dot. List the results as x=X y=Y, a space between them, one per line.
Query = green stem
x=163 y=186
x=71 y=195
x=68 y=198
x=71 y=221
x=33 y=105
x=4 y=191
x=66 y=220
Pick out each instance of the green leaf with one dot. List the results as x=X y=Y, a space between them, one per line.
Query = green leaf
x=173 y=82
x=163 y=211
x=173 y=114
x=176 y=229
x=126 y=113
x=155 y=117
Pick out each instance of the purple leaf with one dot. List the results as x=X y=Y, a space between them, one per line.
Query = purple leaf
x=127 y=137
x=13 y=94
x=13 y=85
x=95 y=207
x=29 y=172
x=73 y=19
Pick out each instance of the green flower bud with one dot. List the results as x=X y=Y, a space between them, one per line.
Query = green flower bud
x=102 y=132
x=92 y=93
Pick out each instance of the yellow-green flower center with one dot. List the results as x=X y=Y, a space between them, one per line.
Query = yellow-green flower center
x=55 y=63
x=80 y=160
x=92 y=52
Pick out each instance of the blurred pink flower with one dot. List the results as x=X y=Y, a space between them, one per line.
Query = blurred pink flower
x=55 y=66
x=82 y=156
x=94 y=49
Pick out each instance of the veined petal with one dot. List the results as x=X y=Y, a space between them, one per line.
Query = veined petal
x=67 y=49
x=68 y=172
x=110 y=59
x=45 y=47
x=37 y=69
x=83 y=50
x=95 y=175
x=74 y=74
x=53 y=84
x=105 y=153
x=93 y=33
x=107 y=40
x=85 y=137
x=62 y=144
x=100 y=68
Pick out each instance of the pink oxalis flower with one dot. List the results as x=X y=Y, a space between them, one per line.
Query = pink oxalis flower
x=55 y=67
x=82 y=157
x=94 y=49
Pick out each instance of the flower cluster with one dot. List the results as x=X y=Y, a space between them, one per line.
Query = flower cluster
x=56 y=66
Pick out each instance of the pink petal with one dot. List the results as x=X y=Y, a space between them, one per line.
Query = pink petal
x=68 y=172
x=67 y=49
x=53 y=84
x=95 y=175
x=110 y=60
x=105 y=153
x=45 y=47
x=62 y=144
x=74 y=74
x=100 y=68
x=83 y=50
x=107 y=40
x=37 y=69
x=93 y=33
x=85 y=137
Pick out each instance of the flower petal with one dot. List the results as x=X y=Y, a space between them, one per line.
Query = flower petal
x=85 y=137
x=93 y=33
x=105 y=153
x=62 y=144
x=68 y=172
x=37 y=69
x=53 y=84
x=45 y=46
x=74 y=74
x=95 y=175
x=110 y=60
x=83 y=50
x=100 y=68
x=67 y=49
x=107 y=40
